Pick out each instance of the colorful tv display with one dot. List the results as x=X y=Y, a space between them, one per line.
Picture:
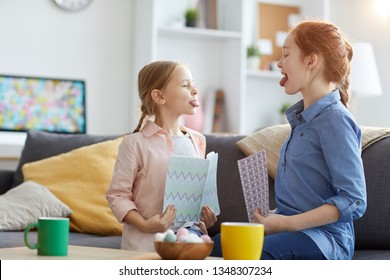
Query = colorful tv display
x=53 y=105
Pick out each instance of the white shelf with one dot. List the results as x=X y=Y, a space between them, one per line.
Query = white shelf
x=199 y=33
x=216 y=56
x=263 y=73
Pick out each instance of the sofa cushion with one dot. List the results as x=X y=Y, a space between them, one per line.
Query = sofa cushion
x=27 y=202
x=372 y=231
x=270 y=139
x=6 y=178
x=230 y=194
x=371 y=135
x=80 y=179
x=40 y=145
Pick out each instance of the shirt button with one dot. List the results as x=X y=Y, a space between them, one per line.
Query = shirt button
x=301 y=134
x=299 y=117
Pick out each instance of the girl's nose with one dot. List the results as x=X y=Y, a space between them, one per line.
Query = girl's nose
x=279 y=63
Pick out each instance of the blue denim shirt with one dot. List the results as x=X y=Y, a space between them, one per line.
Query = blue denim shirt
x=320 y=162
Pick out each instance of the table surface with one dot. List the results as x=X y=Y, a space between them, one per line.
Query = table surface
x=76 y=253
x=79 y=253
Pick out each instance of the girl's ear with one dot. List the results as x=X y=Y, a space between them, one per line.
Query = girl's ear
x=311 y=60
x=158 y=97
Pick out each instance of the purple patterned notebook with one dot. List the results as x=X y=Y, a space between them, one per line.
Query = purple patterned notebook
x=254 y=180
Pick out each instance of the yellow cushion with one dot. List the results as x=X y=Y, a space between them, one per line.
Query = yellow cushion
x=80 y=179
x=270 y=139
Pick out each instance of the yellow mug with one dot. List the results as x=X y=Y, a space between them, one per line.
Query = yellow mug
x=242 y=241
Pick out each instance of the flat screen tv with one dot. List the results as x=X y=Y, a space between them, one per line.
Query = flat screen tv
x=48 y=104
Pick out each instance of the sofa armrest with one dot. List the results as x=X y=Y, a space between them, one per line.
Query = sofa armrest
x=372 y=231
x=6 y=179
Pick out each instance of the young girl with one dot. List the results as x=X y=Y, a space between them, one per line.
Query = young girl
x=319 y=186
x=136 y=192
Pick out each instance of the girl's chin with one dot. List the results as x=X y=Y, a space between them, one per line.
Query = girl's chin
x=290 y=91
x=191 y=112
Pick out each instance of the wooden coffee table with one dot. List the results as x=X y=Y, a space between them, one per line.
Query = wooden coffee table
x=77 y=253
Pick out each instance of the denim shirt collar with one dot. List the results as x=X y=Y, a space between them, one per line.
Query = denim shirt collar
x=296 y=114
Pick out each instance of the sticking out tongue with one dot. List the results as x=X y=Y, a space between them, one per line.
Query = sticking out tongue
x=195 y=103
x=283 y=81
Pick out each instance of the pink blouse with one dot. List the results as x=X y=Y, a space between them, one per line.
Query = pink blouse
x=138 y=180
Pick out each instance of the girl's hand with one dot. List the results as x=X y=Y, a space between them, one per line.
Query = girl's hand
x=161 y=223
x=208 y=216
x=323 y=215
x=272 y=223
x=203 y=228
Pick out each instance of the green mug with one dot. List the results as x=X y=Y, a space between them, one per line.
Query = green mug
x=53 y=236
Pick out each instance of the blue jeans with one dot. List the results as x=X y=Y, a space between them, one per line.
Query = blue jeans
x=282 y=246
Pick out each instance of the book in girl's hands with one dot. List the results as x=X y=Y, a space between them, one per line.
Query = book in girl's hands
x=191 y=183
x=254 y=180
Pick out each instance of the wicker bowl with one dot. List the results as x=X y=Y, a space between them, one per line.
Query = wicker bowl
x=182 y=250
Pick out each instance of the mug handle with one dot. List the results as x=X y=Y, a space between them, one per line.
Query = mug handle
x=26 y=231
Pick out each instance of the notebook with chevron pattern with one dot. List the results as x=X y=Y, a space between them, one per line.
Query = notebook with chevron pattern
x=191 y=183
x=254 y=180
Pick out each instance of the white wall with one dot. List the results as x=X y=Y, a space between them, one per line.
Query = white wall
x=95 y=44
x=359 y=20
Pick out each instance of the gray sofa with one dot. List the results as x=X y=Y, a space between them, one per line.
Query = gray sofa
x=372 y=230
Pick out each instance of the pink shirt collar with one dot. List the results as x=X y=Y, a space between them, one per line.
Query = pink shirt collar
x=150 y=128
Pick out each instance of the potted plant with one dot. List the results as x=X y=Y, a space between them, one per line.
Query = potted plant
x=191 y=16
x=253 y=57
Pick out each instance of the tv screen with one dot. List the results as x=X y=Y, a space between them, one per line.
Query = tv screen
x=54 y=105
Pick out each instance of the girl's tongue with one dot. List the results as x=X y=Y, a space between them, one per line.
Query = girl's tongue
x=283 y=81
x=195 y=103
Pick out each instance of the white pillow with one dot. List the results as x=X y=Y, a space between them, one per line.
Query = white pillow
x=25 y=203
